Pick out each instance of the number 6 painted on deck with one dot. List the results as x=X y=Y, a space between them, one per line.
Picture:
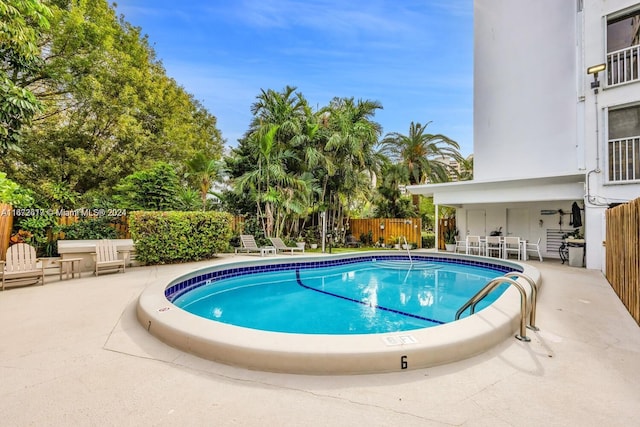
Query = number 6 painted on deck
x=403 y=362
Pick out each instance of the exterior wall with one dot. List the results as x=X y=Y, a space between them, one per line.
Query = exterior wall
x=535 y=113
x=601 y=193
x=525 y=89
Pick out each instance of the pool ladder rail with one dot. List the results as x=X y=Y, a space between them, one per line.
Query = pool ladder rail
x=507 y=278
x=406 y=245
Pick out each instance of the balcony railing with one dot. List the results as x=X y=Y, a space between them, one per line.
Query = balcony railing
x=623 y=66
x=624 y=159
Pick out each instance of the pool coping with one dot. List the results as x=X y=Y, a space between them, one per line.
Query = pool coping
x=332 y=354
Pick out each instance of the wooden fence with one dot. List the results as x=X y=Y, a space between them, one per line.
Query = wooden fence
x=444 y=224
x=389 y=229
x=6 y=223
x=623 y=254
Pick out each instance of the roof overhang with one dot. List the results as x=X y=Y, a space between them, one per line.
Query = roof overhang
x=550 y=188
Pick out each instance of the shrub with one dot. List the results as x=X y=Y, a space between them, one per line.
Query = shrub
x=428 y=240
x=169 y=237
x=14 y=194
x=90 y=229
x=150 y=189
x=37 y=230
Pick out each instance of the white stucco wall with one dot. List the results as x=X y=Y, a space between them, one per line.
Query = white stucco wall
x=525 y=88
x=535 y=113
x=595 y=133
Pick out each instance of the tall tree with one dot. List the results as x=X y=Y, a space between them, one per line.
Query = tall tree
x=391 y=203
x=426 y=156
x=110 y=108
x=273 y=144
x=154 y=189
x=352 y=137
x=272 y=185
x=205 y=171
x=21 y=23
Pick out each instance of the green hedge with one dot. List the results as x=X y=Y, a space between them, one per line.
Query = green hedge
x=428 y=240
x=170 y=237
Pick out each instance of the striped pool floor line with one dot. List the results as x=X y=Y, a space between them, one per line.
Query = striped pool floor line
x=392 y=310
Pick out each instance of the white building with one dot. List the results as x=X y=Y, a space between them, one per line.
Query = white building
x=546 y=136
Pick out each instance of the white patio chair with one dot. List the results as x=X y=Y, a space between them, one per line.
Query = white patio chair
x=493 y=245
x=473 y=245
x=511 y=245
x=535 y=247
x=461 y=246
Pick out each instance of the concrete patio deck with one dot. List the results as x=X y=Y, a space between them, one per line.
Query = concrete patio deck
x=73 y=353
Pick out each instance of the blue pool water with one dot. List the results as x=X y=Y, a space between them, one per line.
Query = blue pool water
x=363 y=297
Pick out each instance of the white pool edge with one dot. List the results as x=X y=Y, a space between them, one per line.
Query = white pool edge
x=333 y=354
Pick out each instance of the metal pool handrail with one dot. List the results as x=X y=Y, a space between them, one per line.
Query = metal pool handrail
x=534 y=298
x=406 y=245
x=490 y=287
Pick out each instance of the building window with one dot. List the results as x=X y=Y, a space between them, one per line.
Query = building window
x=624 y=144
x=623 y=48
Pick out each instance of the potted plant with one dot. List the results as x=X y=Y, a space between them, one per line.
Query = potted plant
x=312 y=241
x=450 y=235
x=300 y=241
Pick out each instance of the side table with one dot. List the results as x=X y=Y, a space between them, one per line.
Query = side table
x=70 y=266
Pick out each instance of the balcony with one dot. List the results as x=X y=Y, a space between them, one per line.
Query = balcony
x=624 y=160
x=623 y=66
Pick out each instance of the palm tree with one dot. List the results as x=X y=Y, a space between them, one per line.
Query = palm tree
x=273 y=185
x=424 y=155
x=205 y=171
x=466 y=169
x=352 y=136
x=282 y=133
x=287 y=110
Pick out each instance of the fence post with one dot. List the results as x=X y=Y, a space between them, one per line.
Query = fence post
x=6 y=224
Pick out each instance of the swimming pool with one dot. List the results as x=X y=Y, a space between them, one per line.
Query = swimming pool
x=370 y=296
x=327 y=353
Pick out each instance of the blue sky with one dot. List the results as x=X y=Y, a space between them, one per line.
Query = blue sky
x=413 y=56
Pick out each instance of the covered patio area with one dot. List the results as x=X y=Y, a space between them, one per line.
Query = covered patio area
x=532 y=209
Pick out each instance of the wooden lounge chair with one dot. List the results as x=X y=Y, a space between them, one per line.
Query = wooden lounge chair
x=249 y=245
x=106 y=257
x=20 y=267
x=282 y=247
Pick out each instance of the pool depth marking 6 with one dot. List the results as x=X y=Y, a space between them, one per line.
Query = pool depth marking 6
x=364 y=303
